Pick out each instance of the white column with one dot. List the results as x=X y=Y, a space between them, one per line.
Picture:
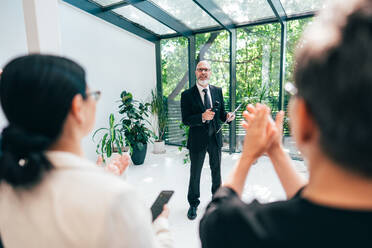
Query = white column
x=42 y=26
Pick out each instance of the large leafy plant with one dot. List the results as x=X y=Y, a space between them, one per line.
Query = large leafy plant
x=111 y=140
x=134 y=120
x=159 y=109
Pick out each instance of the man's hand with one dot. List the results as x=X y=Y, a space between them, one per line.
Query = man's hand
x=277 y=128
x=230 y=116
x=277 y=142
x=260 y=131
x=208 y=115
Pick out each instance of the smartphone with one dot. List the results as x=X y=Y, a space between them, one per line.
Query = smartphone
x=159 y=203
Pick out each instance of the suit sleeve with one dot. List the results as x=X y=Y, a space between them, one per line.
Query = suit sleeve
x=223 y=113
x=188 y=118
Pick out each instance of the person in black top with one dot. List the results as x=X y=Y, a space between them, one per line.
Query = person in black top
x=331 y=120
x=202 y=108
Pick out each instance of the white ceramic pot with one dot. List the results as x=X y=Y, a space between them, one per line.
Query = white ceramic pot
x=159 y=147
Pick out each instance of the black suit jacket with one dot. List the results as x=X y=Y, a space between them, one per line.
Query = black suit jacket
x=192 y=109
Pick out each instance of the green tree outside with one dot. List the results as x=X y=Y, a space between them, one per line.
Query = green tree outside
x=257 y=68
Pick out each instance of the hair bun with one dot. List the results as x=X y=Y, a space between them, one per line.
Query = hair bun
x=22 y=160
x=19 y=141
x=18 y=171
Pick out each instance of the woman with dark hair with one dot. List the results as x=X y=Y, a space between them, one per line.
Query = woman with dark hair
x=50 y=196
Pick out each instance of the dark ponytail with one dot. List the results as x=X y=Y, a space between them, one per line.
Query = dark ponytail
x=36 y=93
x=22 y=161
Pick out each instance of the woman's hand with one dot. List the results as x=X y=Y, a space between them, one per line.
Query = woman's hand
x=113 y=169
x=164 y=213
x=121 y=161
x=118 y=164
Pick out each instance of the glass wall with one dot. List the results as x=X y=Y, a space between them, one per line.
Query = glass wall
x=257 y=72
x=294 y=32
x=257 y=69
x=175 y=79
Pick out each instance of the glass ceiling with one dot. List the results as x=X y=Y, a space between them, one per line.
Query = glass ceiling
x=106 y=2
x=295 y=7
x=187 y=12
x=243 y=11
x=131 y=13
x=186 y=17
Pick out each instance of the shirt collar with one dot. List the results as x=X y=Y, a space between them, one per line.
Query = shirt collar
x=201 y=88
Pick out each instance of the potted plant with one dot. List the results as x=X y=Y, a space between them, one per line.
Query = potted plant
x=160 y=112
x=111 y=140
x=185 y=135
x=137 y=135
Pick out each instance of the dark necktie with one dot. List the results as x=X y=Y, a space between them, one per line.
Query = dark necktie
x=207 y=103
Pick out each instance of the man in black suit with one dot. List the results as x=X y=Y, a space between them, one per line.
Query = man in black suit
x=202 y=108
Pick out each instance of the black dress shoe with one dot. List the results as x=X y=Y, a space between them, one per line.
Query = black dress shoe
x=191 y=214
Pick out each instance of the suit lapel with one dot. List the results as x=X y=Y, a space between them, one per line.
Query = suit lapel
x=212 y=89
x=196 y=95
x=213 y=94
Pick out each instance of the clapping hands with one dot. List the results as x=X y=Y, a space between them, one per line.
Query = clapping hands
x=262 y=133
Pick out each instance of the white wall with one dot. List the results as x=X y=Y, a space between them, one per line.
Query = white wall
x=12 y=36
x=114 y=59
x=42 y=26
x=12 y=30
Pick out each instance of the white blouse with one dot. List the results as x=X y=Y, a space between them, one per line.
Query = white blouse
x=77 y=204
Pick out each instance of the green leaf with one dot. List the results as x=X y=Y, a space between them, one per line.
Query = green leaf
x=113 y=136
x=112 y=120
x=98 y=130
x=108 y=147
x=119 y=147
x=103 y=148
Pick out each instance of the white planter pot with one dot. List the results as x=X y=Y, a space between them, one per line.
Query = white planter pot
x=159 y=147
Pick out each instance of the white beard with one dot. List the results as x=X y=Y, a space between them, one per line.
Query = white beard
x=203 y=83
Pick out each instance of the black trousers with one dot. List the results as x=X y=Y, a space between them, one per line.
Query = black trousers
x=197 y=160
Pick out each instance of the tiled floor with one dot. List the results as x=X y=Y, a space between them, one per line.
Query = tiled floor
x=167 y=172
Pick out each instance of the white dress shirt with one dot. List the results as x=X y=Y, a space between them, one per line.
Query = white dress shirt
x=200 y=88
x=78 y=204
